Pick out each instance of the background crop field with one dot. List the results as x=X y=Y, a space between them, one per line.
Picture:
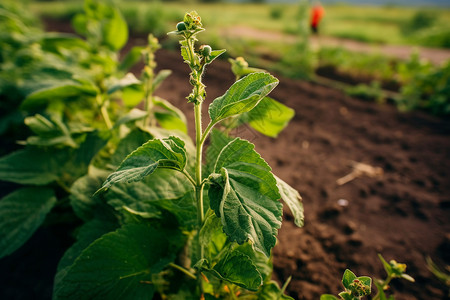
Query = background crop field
x=379 y=24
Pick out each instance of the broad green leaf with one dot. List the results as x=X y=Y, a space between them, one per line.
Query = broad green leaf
x=86 y=235
x=293 y=200
x=348 y=278
x=164 y=153
x=131 y=58
x=51 y=132
x=83 y=203
x=218 y=140
x=245 y=196
x=165 y=190
x=242 y=96
x=247 y=167
x=59 y=43
x=128 y=144
x=64 y=90
x=161 y=133
x=211 y=236
x=160 y=77
x=79 y=23
x=271 y=291
x=132 y=95
x=328 y=297
x=119 y=265
x=237 y=268
x=133 y=115
x=270 y=117
x=262 y=263
x=40 y=166
x=366 y=280
x=32 y=166
x=128 y=80
x=115 y=30
x=21 y=214
x=215 y=54
x=169 y=116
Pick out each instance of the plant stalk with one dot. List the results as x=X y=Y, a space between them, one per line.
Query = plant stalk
x=104 y=111
x=383 y=286
x=198 y=165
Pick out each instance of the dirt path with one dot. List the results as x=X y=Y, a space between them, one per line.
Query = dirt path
x=434 y=55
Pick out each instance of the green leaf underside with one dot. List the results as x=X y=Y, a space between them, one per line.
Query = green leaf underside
x=293 y=200
x=169 y=116
x=165 y=153
x=119 y=265
x=31 y=166
x=211 y=236
x=237 y=268
x=166 y=189
x=218 y=140
x=215 y=54
x=21 y=213
x=270 y=117
x=245 y=197
x=61 y=91
x=242 y=96
x=87 y=234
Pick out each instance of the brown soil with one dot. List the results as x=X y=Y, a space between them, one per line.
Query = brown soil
x=402 y=214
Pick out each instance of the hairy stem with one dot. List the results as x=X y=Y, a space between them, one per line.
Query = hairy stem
x=180 y=268
x=198 y=166
x=148 y=101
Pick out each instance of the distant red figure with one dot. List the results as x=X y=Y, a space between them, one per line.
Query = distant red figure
x=317 y=13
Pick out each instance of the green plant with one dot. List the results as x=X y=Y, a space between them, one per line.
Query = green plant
x=358 y=287
x=164 y=222
x=223 y=238
x=393 y=270
x=355 y=287
x=441 y=275
x=427 y=89
x=66 y=92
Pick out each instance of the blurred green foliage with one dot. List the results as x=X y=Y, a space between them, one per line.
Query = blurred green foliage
x=294 y=57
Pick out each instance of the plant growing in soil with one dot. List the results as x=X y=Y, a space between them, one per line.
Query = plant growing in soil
x=358 y=287
x=185 y=228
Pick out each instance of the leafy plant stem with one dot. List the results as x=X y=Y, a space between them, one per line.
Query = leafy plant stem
x=285 y=285
x=104 y=111
x=206 y=133
x=383 y=286
x=180 y=268
x=189 y=177
x=149 y=101
x=198 y=166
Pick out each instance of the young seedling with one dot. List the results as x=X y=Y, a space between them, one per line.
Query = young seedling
x=393 y=270
x=355 y=287
x=358 y=287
